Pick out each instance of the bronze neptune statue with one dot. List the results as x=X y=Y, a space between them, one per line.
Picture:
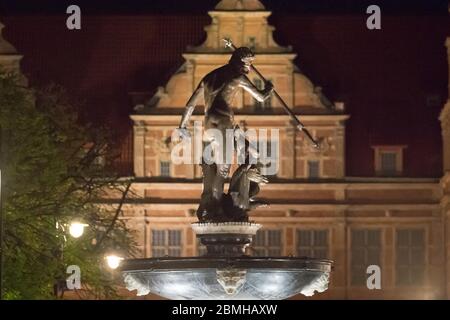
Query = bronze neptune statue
x=218 y=88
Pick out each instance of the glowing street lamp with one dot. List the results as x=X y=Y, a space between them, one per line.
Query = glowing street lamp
x=113 y=261
x=76 y=229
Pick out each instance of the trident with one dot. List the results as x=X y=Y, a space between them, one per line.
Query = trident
x=300 y=126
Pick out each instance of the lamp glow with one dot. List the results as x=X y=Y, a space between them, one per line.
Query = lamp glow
x=76 y=229
x=113 y=261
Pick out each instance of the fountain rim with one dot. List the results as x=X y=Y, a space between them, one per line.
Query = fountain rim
x=275 y=264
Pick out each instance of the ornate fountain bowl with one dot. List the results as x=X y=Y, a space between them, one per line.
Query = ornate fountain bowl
x=226 y=272
x=247 y=278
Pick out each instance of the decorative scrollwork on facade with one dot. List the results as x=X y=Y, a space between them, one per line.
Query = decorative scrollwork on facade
x=326 y=145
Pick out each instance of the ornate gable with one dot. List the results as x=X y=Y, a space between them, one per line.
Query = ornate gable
x=245 y=22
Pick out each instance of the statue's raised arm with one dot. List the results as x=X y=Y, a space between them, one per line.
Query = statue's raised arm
x=190 y=106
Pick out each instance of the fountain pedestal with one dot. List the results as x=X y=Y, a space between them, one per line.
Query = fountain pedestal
x=229 y=239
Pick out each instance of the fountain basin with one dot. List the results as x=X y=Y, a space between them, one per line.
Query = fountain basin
x=227 y=278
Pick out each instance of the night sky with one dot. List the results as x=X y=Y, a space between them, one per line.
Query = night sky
x=199 y=6
x=393 y=81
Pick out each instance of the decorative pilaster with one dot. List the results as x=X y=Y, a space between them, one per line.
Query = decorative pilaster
x=139 y=148
x=287 y=153
x=339 y=145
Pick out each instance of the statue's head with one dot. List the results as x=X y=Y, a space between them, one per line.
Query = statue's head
x=242 y=58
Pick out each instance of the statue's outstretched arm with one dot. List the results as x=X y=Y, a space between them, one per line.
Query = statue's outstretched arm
x=190 y=105
x=259 y=95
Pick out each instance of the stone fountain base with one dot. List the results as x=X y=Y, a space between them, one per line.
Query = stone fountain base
x=228 y=239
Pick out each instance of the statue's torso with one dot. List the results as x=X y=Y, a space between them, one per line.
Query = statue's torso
x=221 y=86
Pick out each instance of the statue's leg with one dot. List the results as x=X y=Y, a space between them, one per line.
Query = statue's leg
x=235 y=178
x=215 y=174
x=223 y=124
x=207 y=203
x=237 y=189
x=223 y=168
x=219 y=181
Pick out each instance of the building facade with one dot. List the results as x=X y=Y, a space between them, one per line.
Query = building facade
x=391 y=221
x=397 y=223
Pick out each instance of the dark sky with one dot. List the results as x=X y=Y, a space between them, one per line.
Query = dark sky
x=199 y=6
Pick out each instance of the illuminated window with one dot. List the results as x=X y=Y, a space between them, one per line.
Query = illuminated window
x=365 y=251
x=410 y=257
x=164 y=169
x=312 y=243
x=166 y=243
x=313 y=169
x=388 y=163
x=388 y=160
x=267 y=243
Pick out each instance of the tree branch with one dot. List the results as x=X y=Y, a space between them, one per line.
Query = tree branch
x=116 y=216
